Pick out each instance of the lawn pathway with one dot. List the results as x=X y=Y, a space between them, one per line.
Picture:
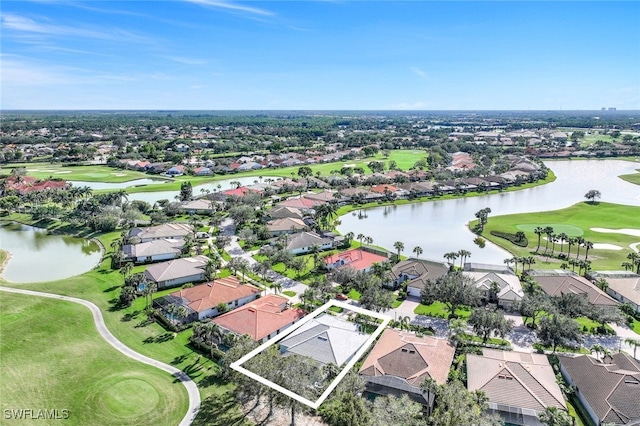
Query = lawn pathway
x=192 y=389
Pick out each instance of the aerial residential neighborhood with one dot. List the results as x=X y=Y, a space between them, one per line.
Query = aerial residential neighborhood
x=319 y=213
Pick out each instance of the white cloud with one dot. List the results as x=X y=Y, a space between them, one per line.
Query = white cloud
x=222 y=4
x=419 y=72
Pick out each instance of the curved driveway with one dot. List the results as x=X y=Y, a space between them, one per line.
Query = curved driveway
x=192 y=389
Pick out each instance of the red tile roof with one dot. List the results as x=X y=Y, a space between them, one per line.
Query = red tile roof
x=209 y=295
x=261 y=317
x=29 y=184
x=381 y=188
x=357 y=259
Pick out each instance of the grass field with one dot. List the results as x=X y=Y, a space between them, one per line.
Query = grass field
x=92 y=173
x=102 y=287
x=53 y=358
x=633 y=177
x=576 y=220
x=439 y=309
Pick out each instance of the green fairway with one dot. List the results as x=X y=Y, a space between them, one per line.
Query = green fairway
x=53 y=358
x=577 y=220
x=91 y=173
x=633 y=177
x=102 y=287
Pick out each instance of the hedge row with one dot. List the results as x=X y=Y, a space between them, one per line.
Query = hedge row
x=511 y=237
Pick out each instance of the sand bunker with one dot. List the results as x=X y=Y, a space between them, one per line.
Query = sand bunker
x=634 y=247
x=64 y=171
x=626 y=231
x=119 y=174
x=604 y=246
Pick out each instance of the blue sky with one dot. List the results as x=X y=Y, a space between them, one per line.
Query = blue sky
x=372 y=55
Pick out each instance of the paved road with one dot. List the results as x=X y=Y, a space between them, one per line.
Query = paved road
x=192 y=389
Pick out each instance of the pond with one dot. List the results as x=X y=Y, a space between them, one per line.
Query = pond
x=439 y=226
x=38 y=256
x=96 y=186
x=218 y=185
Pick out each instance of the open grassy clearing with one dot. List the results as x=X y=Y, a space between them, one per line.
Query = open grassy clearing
x=633 y=177
x=439 y=309
x=53 y=358
x=102 y=287
x=583 y=216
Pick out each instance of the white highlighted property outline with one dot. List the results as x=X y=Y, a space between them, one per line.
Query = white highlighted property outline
x=314 y=404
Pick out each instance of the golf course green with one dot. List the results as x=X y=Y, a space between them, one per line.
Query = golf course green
x=584 y=220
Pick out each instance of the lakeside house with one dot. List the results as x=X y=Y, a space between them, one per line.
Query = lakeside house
x=624 y=286
x=559 y=282
x=286 y=225
x=261 y=319
x=519 y=386
x=401 y=361
x=178 y=271
x=608 y=389
x=159 y=232
x=358 y=259
x=153 y=251
x=416 y=273
x=304 y=242
x=325 y=339
x=203 y=301
x=503 y=289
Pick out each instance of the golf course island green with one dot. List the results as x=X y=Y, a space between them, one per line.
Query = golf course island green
x=632 y=178
x=613 y=229
x=53 y=359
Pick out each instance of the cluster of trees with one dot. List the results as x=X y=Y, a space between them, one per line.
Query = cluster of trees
x=553 y=238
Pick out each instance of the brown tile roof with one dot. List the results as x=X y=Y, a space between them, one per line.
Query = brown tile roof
x=612 y=389
x=261 y=317
x=409 y=357
x=286 y=224
x=206 y=296
x=514 y=379
x=556 y=285
x=423 y=270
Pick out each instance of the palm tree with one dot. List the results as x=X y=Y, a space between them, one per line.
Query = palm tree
x=538 y=231
x=126 y=269
x=587 y=245
x=213 y=335
x=451 y=257
x=598 y=349
x=627 y=266
x=149 y=289
x=570 y=241
x=548 y=231
x=277 y=287
x=633 y=342
x=418 y=251
x=554 y=240
x=398 y=245
x=562 y=237
x=368 y=240
x=403 y=322
x=360 y=237
x=508 y=261
x=463 y=256
x=579 y=242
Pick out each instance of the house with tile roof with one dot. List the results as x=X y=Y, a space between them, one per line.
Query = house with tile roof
x=416 y=273
x=303 y=242
x=153 y=251
x=519 y=386
x=160 y=232
x=281 y=212
x=261 y=319
x=303 y=204
x=358 y=259
x=201 y=301
x=559 y=282
x=609 y=389
x=199 y=205
x=507 y=288
x=286 y=225
x=176 y=272
x=624 y=286
x=401 y=361
x=325 y=339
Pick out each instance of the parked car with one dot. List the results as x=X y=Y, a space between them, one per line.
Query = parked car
x=341 y=296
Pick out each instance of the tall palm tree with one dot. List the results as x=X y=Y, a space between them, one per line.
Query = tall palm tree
x=579 y=242
x=548 y=231
x=399 y=246
x=587 y=245
x=538 y=231
x=403 y=322
x=360 y=237
x=277 y=287
x=418 y=251
x=213 y=334
x=463 y=256
x=562 y=237
x=149 y=289
x=570 y=241
x=451 y=257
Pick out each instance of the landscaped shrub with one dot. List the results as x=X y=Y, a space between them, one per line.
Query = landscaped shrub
x=517 y=240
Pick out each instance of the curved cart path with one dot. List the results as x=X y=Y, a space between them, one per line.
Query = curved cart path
x=192 y=389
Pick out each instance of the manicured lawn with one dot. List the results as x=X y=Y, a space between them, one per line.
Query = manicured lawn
x=439 y=309
x=354 y=294
x=102 y=287
x=635 y=326
x=633 y=177
x=92 y=173
x=590 y=324
x=52 y=357
x=289 y=293
x=579 y=218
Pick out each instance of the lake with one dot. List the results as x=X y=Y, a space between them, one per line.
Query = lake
x=440 y=226
x=38 y=256
x=96 y=186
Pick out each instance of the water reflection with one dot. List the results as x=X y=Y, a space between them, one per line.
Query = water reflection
x=440 y=226
x=37 y=256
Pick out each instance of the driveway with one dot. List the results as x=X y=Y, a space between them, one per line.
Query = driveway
x=192 y=389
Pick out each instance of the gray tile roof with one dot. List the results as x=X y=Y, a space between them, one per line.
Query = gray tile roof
x=612 y=389
x=422 y=270
x=176 y=268
x=167 y=230
x=153 y=248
